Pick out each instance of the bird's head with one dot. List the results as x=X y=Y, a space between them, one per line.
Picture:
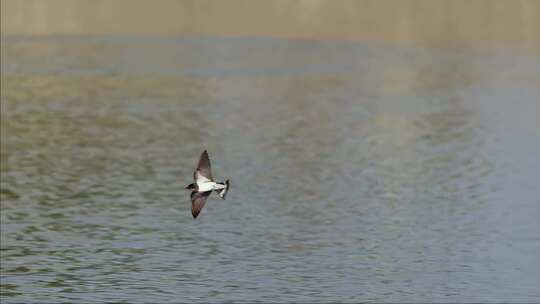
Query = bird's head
x=191 y=186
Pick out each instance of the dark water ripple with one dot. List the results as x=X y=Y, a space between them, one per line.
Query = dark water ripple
x=360 y=172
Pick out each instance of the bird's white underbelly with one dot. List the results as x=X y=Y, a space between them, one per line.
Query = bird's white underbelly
x=209 y=186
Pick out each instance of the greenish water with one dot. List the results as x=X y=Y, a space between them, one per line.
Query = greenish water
x=359 y=172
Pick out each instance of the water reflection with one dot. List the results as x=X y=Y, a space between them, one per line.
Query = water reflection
x=376 y=180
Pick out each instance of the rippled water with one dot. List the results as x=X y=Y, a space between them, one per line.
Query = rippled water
x=359 y=172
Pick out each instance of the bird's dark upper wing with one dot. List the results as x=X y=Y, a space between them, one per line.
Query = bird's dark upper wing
x=197 y=202
x=203 y=168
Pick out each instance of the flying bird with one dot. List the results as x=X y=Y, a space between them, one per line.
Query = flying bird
x=204 y=184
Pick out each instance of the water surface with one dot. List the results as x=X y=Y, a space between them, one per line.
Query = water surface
x=360 y=172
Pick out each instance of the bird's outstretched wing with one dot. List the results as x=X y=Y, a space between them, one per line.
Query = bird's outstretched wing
x=203 y=170
x=197 y=201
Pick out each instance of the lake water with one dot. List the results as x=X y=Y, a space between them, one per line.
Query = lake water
x=359 y=171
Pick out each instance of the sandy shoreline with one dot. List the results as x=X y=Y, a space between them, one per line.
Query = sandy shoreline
x=457 y=24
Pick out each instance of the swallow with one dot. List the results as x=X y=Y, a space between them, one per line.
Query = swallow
x=204 y=184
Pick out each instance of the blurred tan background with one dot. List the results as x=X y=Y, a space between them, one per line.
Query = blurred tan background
x=458 y=24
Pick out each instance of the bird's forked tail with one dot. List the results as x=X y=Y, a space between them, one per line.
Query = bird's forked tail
x=223 y=192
